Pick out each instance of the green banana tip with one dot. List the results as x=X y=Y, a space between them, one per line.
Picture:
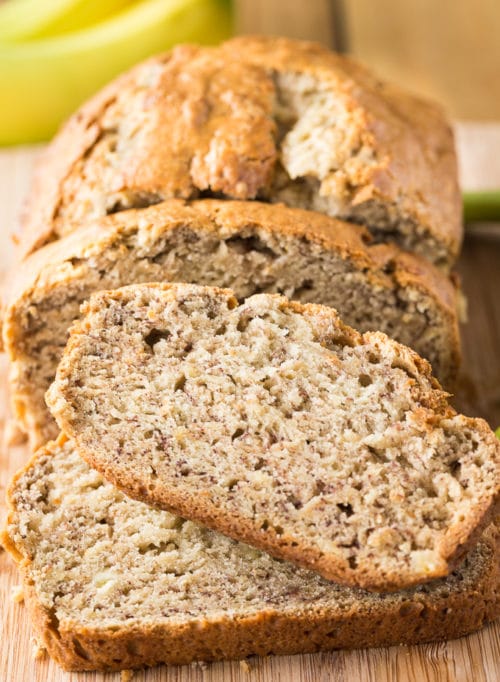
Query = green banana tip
x=481 y=205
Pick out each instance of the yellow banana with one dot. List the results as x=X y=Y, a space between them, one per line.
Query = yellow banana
x=33 y=19
x=42 y=82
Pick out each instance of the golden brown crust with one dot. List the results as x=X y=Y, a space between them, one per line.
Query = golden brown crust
x=411 y=617
x=213 y=109
x=417 y=620
x=75 y=139
x=418 y=167
x=385 y=262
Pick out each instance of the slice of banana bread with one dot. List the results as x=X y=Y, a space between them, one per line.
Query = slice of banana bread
x=112 y=583
x=278 y=425
x=256 y=118
x=247 y=246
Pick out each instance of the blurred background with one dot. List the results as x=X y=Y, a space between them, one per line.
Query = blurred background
x=448 y=50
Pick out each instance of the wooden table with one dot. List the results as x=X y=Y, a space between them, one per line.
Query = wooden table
x=471 y=659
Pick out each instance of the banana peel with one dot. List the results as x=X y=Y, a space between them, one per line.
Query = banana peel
x=42 y=82
x=22 y=20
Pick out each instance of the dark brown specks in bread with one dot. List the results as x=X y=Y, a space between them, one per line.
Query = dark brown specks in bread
x=111 y=583
x=247 y=246
x=277 y=424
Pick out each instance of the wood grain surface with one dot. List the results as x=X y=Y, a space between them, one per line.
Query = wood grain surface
x=471 y=659
x=447 y=50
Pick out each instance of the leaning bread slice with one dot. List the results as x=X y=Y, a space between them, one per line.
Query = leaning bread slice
x=278 y=425
x=247 y=246
x=112 y=583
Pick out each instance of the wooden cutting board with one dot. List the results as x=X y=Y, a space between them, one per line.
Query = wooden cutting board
x=471 y=659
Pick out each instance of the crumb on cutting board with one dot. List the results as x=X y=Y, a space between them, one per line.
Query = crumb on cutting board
x=13 y=434
x=17 y=594
x=245 y=666
x=38 y=651
x=126 y=675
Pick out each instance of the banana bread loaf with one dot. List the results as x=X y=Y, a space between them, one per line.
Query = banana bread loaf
x=275 y=423
x=256 y=118
x=112 y=583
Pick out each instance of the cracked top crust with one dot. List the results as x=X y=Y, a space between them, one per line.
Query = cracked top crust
x=256 y=118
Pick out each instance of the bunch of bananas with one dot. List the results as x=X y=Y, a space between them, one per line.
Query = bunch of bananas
x=53 y=55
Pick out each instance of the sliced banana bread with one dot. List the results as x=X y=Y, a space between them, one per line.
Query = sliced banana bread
x=278 y=425
x=247 y=246
x=256 y=118
x=112 y=583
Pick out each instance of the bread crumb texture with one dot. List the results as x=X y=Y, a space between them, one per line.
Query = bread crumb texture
x=247 y=246
x=38 y=651
x=17 y=594
x=114 y=584
x=277 y=424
